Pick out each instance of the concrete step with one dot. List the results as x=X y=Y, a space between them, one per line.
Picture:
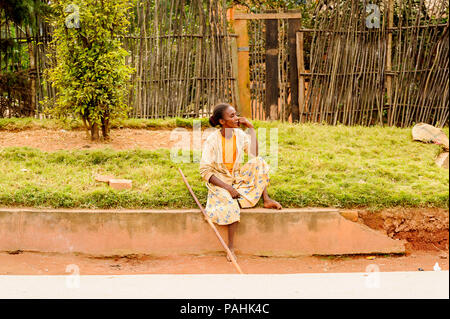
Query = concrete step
x=262 y=232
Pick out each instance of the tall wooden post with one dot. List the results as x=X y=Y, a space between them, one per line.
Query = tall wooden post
x=243 y=74
x=239 y=23
x=301 y=77
x=391 y=111
x=271 y=106
x=33 y=71
x=294 y=25
x=198 y=63
x=235 y=70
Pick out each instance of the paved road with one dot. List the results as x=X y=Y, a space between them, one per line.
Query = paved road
x=427 y=284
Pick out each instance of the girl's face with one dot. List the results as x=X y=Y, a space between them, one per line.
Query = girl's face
x=229 y=118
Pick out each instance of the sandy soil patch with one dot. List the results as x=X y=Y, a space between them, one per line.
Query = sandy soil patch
x=30 y=263
x=121 y=139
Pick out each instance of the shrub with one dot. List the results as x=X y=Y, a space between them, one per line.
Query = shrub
x=90 y=72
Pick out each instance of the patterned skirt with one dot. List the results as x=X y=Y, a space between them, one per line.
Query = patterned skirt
x=250 y=181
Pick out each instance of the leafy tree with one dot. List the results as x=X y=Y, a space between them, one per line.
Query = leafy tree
x=90 y=73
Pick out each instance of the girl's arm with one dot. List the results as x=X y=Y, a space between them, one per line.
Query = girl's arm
x=216 y=181
x=207 y=170
x=251 y=130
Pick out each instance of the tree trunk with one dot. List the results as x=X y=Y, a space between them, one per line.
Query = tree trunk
x=95 y=132
x=105 y=127
x=86 y=125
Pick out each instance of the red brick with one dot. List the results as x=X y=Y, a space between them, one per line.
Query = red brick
x=120 y=183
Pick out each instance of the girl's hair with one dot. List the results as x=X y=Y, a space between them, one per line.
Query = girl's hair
x=218 y=114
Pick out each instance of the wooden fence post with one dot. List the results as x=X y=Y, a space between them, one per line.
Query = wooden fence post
x=294 y=26
x=391 y=111
x=301 y=77
x=235 y=72
x=243 y=66
x=33 y=72
x=272 y=51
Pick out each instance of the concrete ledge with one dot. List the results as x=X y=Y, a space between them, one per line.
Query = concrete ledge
x=262 y=232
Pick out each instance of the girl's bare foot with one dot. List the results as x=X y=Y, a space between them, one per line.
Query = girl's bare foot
x=270 y=203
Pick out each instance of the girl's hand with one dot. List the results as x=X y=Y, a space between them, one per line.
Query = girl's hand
x=234 y=193
x=245 y=122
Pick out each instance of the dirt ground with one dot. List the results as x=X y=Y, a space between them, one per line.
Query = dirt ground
x=121 y=139
x=31 y=263
x=422 y=228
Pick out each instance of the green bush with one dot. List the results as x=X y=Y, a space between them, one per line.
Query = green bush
x=90 y=72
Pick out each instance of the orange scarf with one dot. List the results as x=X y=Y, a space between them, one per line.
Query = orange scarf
x=227 y=147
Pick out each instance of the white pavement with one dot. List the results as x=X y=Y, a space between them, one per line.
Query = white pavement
x=423 y=284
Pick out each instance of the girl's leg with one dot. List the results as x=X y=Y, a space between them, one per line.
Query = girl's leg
x=269 y=202
x=220 y=207
x=231 y=231
x=251 y=180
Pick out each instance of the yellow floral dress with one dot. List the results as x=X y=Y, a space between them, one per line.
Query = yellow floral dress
x=249 y=180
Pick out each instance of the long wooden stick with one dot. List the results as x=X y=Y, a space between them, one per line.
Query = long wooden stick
x=230 y=255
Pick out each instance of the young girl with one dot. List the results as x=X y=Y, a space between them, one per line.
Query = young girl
x=230 y=185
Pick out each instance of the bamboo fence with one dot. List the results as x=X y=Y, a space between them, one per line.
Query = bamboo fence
x=26 y=60
x=397 y=74
x=180 y=49
x=183 y=53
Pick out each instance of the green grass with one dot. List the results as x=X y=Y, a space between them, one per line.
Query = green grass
x=318 y=165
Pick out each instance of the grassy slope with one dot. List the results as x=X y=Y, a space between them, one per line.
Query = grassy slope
x=319 y=165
